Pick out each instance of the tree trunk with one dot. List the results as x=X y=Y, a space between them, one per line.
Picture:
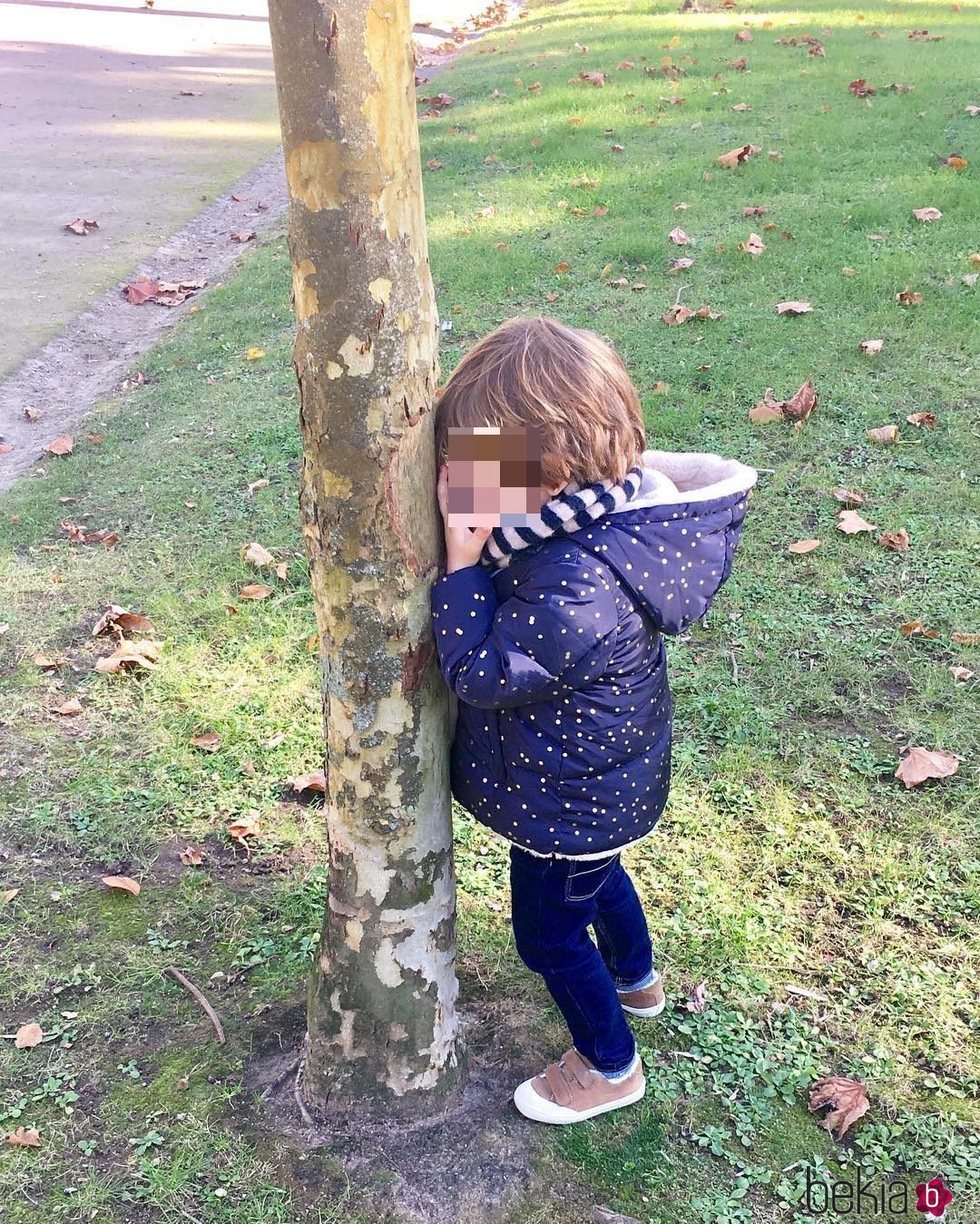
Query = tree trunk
x=382 y=1003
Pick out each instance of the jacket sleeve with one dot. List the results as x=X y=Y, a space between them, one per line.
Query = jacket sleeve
x=556 y=632
x=695 y=548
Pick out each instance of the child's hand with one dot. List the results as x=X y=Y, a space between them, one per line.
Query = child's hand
x=463 y=544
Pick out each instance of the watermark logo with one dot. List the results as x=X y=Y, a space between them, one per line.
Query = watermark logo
x=932 y=1198
x=877 y=1198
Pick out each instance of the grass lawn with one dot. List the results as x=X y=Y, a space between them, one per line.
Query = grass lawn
x=831 y=912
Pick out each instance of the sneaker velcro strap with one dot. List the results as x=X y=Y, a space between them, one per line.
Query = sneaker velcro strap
x=558 y=1084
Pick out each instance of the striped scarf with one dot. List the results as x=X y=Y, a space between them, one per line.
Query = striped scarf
x=576 y=506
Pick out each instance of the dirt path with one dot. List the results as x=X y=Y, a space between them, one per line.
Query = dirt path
x=167 y=109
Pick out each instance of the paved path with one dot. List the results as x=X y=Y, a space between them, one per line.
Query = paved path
x=161 y=125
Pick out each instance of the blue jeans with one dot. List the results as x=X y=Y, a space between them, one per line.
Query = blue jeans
x=553 y=902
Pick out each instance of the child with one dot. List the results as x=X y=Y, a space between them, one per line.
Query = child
x=550 y=634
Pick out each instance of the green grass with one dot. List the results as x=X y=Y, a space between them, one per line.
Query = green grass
x=789 y=854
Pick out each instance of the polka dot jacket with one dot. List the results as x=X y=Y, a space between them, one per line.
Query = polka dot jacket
x=563 y=736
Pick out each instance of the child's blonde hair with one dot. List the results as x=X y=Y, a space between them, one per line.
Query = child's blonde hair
x=566 y=382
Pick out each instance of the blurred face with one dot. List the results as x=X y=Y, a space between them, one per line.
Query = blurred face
x=495 y=477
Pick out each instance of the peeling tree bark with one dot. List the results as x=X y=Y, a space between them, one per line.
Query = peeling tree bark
x=382 y=1003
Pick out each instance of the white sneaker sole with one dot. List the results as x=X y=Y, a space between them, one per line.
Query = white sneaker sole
x=535 y=1107
x=646 y=1011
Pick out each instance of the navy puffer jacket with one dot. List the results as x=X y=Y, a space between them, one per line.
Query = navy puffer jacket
x=562 y=742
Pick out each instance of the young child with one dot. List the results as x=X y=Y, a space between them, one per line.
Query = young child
x=549 y=630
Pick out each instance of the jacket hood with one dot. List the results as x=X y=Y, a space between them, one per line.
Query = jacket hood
x=671 y=546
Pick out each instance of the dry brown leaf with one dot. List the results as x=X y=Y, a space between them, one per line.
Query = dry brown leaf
x=8 y=895
x=28 y=1036
x=210 y=741
x=122 y=883
x=804 y=546
x=801 y=405
x=243 y=236
x=926 y=214
x=753 y=245
x=678 y=265
x=897 y=541
x=70 y=707
x=915 y=628
x=961 y=673
x=922 y=418
x=677 y=314
x=850 y=522
x=698 y=999
x=122 y=619
x=244 y=827
x=966 y=639
x=257 y=555
x=315 y=781
x=743 y=35
x=64 y=444
x=735 y=157
x=886 y=434
x=795 y=308
x=908 y=297
x=921 y=764
x=256 y=590
x=130 y=655
x=848 y=1099
x=79 y=226
x=678 y=236
x=598 y=79
x=192 y=856
x=47 y=663
x=741 y=106
x=24 y=1136
x=871 y=346
x=849 y=497
x=763 y=412
x=860 y=88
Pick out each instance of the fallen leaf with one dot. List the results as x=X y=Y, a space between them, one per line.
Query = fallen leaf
x=926 y=214
x=849 y=497
x=192 y=856
x=256 y=590
x=24 y=1136
x=908 y=297
x=79 y=226
x=315 y=781
x=254 y=354
x=753 y=245
x=763 y=411
x=244 y=827
x=871 y=346
x=898 y=87
x=677 y=235
x=735 y=157
x=598 y=79
x=804 y=546
x=256 y=555
x=915 y=628
x=886 y=434
x=796 y=308
x=848 y=1099
x=8 y=895
x=921 y=764
x=28 y=1036
x=122 y=619
x=739 y=64
x=678 y=265
x=922 y=418
x=801 y=405
x=806 y=994
x=122 y=883
x=743 y=36
x=741 y=106
x=698 y=999
x=846 y=271
x=850 y=522
x=243 y=236
x=966 y=639
x=861 y=89
x=897 y=541
x=961 y=673
x=128 y=656
x=210 y=741
x=64 y=444
x=924 y=36
x=67 y=708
